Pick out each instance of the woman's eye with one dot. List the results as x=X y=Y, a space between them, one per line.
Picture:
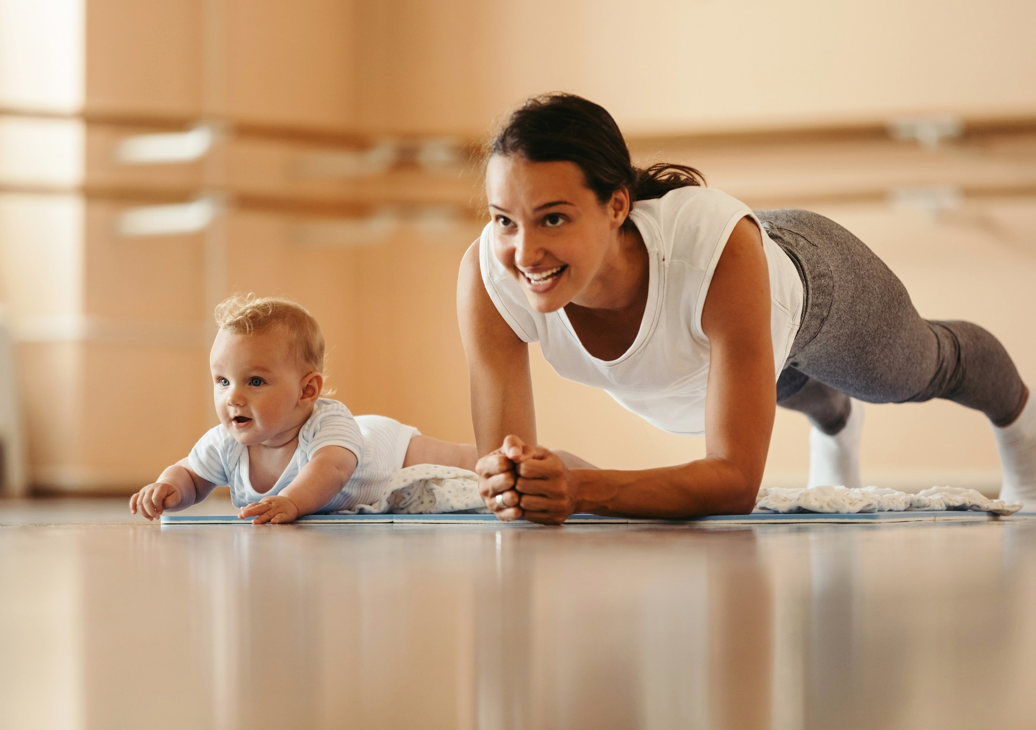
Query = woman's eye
x=504 y=222
x=254 y=382
x=554 y=220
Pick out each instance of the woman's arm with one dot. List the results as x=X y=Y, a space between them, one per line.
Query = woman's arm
x=740 y=405
x=500 y=381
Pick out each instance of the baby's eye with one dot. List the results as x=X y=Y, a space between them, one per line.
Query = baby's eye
x=255 y=382
x=554 y=220
x=222 y=382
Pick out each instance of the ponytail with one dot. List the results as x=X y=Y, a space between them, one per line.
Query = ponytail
x=659 y=179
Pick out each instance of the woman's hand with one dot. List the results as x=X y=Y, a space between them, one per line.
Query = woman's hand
x=532 y=482
x=547 y=487
x=497 y=478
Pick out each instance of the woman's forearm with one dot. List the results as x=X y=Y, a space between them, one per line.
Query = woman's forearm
x=710 y=486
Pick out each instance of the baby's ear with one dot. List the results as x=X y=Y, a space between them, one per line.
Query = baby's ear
x=312 y=385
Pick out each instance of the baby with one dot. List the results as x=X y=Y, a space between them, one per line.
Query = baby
x=283 y=450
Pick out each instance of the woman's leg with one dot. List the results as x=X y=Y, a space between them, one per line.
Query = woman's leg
x=862 y=337
x=1017 y=445
x=826 y=408
x=834 y=440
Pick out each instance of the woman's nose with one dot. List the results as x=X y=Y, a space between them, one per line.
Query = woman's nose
x=527 y=251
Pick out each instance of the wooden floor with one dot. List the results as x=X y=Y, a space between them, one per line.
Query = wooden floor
x=110 y=622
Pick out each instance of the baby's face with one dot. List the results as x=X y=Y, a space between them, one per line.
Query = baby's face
x=257 y=387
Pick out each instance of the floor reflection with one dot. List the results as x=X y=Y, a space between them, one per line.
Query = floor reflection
x=918 y=626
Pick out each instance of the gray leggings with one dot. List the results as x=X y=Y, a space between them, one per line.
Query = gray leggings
x=860 y=335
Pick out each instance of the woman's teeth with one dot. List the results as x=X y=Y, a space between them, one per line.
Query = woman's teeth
x=542 y=276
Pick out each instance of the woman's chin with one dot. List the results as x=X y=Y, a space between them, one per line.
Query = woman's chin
x=546 y=299
x=545 y=303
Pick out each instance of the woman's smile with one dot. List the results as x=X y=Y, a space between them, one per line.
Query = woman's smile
x=540 y=282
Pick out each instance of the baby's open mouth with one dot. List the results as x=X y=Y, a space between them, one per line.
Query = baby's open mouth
x=241 y=420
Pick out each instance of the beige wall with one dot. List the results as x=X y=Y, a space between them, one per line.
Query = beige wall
x=144 y=56
x=675 y=65
x=254 y=60
x=113 y=329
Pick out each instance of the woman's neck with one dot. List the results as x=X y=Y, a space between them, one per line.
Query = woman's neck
x=621 y=286
x=608 y=316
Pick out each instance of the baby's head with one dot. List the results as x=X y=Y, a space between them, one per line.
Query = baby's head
x=248 y=315
x=267 y=367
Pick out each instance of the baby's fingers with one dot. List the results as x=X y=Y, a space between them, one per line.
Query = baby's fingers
x=253 y=509
x=155 y=500
x=144 y=504
x=133 y=503
x=264 y=517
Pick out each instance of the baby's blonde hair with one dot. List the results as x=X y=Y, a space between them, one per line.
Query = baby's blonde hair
x=248 y=314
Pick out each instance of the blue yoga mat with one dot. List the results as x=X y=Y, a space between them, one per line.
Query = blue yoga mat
x=585 y=519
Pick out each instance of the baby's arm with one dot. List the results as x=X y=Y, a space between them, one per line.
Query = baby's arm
x=316 y=485
x=177 y=488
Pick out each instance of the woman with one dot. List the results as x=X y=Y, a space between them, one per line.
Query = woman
x=687 y=307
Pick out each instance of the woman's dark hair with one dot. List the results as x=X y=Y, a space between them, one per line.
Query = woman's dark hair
x=568 y=128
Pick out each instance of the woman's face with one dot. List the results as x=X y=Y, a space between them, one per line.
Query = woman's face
x=550 y=230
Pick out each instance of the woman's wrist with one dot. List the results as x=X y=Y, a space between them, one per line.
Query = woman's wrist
x=587 y=490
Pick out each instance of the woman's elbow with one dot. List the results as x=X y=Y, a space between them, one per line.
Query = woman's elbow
x=744 y=495
x=744 y=505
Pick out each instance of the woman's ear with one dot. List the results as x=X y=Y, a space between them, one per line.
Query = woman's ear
x=312 y=386
x=619 y=206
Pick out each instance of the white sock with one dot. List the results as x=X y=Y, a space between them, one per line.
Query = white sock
x=1017 y=446
x=834 y=461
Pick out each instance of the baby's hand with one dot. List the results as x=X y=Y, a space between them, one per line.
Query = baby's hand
x=274 y=509
x=154 y=499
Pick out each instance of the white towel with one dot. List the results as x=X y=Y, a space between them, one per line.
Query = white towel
x=426 y=489
x=841 y=500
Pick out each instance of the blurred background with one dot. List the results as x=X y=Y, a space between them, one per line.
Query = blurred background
x=157 y=155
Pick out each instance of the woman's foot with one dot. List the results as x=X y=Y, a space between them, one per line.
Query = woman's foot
x=834 y=460
x=1017 y=445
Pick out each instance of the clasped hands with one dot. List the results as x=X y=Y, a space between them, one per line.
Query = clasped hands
x=518 y=480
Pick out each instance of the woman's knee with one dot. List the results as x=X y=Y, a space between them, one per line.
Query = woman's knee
x=827 y=408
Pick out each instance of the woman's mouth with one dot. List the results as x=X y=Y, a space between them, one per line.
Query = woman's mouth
x=542 y=281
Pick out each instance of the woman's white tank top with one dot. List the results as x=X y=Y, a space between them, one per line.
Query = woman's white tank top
x=663 y=376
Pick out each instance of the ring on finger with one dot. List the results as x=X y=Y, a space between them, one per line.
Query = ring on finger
x=500 y=501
